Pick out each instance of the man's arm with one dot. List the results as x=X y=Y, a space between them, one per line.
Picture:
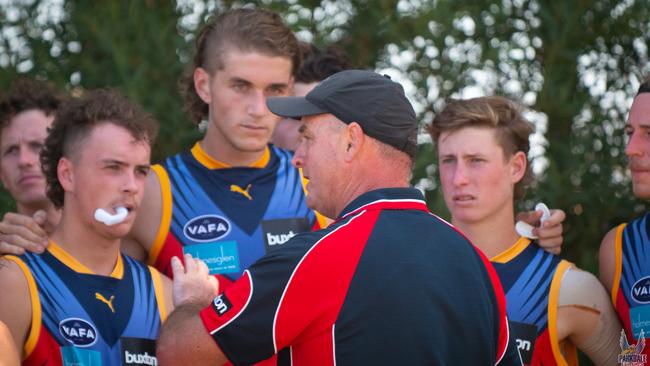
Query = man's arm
x=8 y=348
x=15 y=302
x=607 y=259
x=587 y=318
x=184 y=339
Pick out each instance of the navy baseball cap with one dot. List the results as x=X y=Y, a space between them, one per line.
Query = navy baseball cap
x=374 y=101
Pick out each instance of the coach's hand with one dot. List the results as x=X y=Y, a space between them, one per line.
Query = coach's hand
x=193 y=282
x=19 y=233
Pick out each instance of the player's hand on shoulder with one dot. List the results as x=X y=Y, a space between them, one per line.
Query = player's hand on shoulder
x=550 y=232
x=20 y=233
x=193 y=282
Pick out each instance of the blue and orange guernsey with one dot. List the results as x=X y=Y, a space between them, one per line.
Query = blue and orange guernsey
x=531 y=280
x=228 y=216
x=376 y=287
x=81 y=318
x=631 y=286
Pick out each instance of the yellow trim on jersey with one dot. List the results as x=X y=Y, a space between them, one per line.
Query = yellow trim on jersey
x=323 y=221
x=553 y=296
x=211 y=163
x=75 y=265
x=507 y=255
x=618 y=261
x=166 y=213
x=159 y=290
x=35 y=328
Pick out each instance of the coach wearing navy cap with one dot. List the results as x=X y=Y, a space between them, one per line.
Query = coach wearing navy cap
x=386 y=283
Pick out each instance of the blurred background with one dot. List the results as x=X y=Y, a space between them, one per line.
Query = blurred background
x=574 y=64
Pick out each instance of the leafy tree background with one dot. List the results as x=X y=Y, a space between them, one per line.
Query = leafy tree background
x=575 y=64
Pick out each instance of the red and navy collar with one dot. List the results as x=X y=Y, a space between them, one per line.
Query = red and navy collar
x=386 y=199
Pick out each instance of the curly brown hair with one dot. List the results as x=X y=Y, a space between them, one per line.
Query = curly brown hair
x=75 y=120
x=248 y=30
x=504 y=115
x=27 y=94
x=645 y=86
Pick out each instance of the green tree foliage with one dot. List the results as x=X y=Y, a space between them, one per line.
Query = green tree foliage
x=574 y=63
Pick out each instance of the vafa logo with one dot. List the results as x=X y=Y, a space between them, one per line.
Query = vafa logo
x=206 y=228
x=78 y=332
x=640 y=292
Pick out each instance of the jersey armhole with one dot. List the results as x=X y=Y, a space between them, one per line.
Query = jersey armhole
x=571 y=357
x=166 y=211
x=618 y=262
x=35 y=328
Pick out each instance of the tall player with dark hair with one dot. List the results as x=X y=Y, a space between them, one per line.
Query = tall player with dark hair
x=317 y=65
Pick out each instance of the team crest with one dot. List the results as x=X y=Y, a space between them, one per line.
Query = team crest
x=632 y=355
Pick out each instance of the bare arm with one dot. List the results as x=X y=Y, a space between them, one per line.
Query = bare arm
x=184 y=339
x=8 y=348
x=587 y=318
x=607 y=259
x=15 y=302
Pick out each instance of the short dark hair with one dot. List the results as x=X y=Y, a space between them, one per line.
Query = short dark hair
x=318 y=64
x=27 y=94
x=645 y=86
x=504 y=115
x=75 y=120
x=243 y=29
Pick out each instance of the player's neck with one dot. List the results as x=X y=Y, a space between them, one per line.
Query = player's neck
x=218 y=149
x=493 y=235
x=96 y=252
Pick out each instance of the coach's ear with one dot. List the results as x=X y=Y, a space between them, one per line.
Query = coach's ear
x=65 y=173
x=202 y=84
x=353 y=138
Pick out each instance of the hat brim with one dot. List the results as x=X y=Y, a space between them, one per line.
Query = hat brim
x=293 y=107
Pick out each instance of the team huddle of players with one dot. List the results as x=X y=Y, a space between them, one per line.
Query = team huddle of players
x=98 y=233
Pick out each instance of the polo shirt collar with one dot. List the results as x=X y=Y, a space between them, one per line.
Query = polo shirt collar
x=386 y=198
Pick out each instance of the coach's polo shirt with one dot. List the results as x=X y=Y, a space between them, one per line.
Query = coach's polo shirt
x=387 y=283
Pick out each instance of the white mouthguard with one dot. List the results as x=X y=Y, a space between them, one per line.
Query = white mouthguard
x=525 y=229
x=108 y=219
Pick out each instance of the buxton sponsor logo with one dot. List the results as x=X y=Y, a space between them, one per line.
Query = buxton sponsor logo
x=525 y=336
x=140 y=359
x=279 y=238
x=78 y=332
x=206 y=228
x=641 y=290
x=221 y=304
x=277 y=232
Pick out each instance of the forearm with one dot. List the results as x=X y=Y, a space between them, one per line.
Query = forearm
x=184 y=340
